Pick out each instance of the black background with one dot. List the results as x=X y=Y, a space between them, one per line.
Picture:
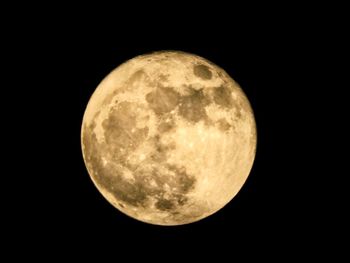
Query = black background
x=58 y=208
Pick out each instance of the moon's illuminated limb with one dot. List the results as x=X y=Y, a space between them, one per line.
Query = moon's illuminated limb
x=168 y=138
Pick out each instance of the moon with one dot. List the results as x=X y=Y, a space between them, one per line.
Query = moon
x=168 y=138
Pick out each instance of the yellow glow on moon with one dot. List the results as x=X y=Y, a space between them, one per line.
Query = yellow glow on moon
x=168 y=138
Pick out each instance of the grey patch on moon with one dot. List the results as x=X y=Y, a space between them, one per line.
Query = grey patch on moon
x=159 y=149
x=165 y=204
x=165 y=126
x=129 y=85
x=162 y=100
x=163 y=77
x=138 y=192
x=133 y=193
x=133 y=79
x=108 y=175
x=222 y=96
x=202 y=72
x=120 y=130
x=178 y=179
x=136 y=76
x=192 y=107
x=223 y=125
x=143 y=190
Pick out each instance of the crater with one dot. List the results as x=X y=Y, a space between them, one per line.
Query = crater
x=202 y=72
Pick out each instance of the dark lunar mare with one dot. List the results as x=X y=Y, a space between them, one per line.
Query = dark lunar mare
x=120 y=141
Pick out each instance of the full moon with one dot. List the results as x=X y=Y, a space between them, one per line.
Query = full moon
x=168 y=138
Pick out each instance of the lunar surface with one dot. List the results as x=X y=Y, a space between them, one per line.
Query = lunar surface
x=168 y=138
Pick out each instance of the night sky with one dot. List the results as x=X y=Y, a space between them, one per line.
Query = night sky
x=58 y=203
